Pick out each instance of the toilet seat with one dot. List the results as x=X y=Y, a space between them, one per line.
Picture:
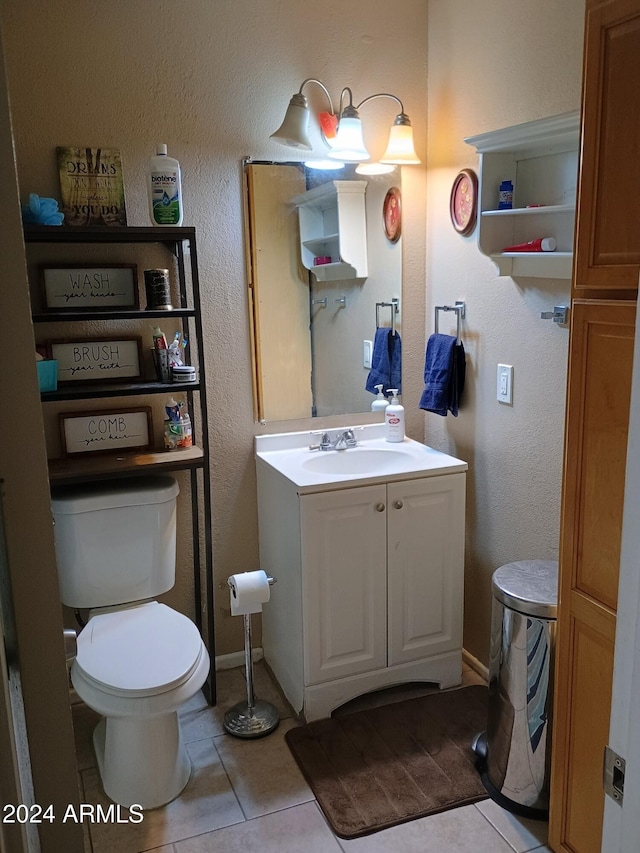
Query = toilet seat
x=144 y=650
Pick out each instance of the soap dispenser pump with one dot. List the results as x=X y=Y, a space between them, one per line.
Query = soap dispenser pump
x=394 y=418
x=380 y=401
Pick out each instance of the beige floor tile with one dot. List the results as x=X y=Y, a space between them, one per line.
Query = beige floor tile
x=207 y=803
x=200 y=720
x=462 y=830
x=264 y=774
x=301 y=828
x=521 y=833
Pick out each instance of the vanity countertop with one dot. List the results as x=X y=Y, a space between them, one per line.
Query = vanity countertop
x=373 y=460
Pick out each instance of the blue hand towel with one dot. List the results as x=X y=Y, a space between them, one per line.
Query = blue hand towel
x=386 y=362
x=444 y=374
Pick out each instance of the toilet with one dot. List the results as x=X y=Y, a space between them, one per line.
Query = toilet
x=138 y=660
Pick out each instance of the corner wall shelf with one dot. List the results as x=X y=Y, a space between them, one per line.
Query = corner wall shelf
x=541 y=158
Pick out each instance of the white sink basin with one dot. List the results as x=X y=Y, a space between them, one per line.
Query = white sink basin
x=355 y=461
x=373 y=460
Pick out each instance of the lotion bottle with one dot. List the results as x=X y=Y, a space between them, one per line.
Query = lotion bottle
x=380 y=401
x=164 y=188
x=394 y=418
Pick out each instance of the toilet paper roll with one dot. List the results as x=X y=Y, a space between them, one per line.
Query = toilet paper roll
x=248 y=592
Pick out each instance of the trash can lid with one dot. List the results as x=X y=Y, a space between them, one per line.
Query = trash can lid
x=528 y=586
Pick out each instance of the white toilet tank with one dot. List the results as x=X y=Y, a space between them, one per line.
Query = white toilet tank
x=115 y=541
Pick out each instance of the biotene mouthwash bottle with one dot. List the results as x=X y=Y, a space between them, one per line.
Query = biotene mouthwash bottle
x=164 y=188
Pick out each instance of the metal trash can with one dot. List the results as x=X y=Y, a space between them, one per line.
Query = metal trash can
x=514 y=753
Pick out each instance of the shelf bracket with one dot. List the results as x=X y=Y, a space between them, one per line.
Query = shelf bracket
x=560 y=314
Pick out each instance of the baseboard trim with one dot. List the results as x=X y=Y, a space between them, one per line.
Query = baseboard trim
x=475 y=665
x=235 y=659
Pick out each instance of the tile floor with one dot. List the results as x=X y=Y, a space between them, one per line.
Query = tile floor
x=249 y=796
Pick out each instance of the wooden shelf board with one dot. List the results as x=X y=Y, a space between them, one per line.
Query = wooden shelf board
x=534 y=264
x=101 y=390
x=119 y=465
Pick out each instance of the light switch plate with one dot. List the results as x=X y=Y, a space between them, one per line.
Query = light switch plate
x=504 y=392
x=367 y=352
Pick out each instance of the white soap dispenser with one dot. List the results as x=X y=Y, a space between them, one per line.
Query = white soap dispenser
x=380 y=401
x=394 y=418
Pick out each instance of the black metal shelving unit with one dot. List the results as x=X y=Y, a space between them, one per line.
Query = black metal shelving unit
x=181 y=243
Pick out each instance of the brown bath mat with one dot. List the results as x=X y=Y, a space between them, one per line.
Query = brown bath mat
x=372 y=769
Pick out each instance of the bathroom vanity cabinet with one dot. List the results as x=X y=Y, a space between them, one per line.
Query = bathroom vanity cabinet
x=370 y=585
x=151 y=247
x=333 y=224
x=541 y=159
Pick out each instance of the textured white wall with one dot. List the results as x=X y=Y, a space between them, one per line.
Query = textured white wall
x=212 y=80
x=491 y=65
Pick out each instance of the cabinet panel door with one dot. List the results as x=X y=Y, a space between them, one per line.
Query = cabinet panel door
x=608 y=233
x=602 y=361
x=599 y=387
x=426 y=566
x=592 y=638
x=344 y=555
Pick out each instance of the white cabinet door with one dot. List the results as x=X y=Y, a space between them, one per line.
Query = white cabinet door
x=426 y=566
x=344 y=559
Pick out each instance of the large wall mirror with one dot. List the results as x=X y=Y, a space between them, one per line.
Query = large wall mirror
x=325 y=273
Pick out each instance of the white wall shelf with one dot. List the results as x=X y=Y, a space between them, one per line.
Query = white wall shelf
x=333 y=224
x=541 y=158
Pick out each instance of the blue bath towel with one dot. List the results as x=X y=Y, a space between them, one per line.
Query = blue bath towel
x=386 y=362
x=444 y=373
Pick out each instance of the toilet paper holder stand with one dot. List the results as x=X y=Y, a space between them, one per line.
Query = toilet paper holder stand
x=254 y=717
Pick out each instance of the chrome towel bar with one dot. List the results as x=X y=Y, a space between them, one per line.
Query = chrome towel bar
x=460 y=309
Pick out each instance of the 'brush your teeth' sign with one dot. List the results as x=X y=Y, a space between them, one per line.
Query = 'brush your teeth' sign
x=91 y=361
x=69 y=288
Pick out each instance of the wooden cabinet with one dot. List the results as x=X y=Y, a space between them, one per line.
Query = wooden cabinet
x=377 y=574
x=541 y=159
x=608 y=235
x=177 y=249
x=333 y=225
x=598 y=396
x=602 y=337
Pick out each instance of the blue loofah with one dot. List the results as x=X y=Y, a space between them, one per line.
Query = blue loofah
x=41 y=211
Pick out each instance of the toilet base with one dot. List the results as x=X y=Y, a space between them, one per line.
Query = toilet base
x=142 y=761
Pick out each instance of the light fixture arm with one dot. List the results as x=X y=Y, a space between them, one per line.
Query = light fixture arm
x=402 y=118
x=382 y=95
x=322 y=86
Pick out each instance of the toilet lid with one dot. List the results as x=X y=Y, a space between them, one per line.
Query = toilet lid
x=149 y=648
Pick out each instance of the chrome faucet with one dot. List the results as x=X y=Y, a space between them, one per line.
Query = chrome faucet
x=341 y=442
